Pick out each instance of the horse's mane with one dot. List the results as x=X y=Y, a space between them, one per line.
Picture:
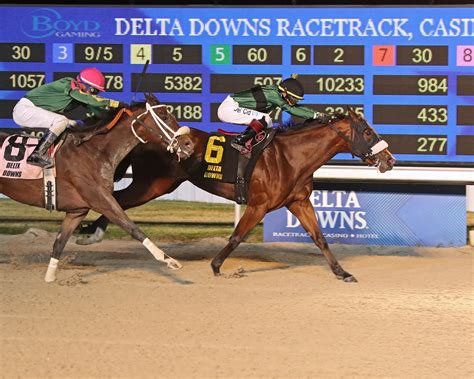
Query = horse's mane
x=94 y=123
x=291 y=126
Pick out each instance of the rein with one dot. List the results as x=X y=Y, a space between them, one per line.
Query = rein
x=107 y=128
x=170 y=134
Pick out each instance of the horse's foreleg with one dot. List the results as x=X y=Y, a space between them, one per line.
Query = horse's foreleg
x=108 y=206
x=69 y=224
x=304 y=211
x=249 y=220
x=139 y=192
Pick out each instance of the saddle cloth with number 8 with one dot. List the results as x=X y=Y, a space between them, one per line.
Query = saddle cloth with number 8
x=13 y=154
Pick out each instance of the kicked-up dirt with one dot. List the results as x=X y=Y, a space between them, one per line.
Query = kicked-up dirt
x=276 y=312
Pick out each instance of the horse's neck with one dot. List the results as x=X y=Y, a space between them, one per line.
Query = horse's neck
x=317 y=145
x=118 y=142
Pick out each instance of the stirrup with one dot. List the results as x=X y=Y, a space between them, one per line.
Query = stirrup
x=39 y=161
x=236 y=145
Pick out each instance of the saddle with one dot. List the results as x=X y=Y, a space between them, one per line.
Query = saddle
x=223 y=163
x=18 y=147
x=13 y=165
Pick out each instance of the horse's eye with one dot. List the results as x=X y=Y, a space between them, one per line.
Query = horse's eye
x=368 y=132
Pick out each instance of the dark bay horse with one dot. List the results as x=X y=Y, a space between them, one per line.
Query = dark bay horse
x=85 y=172
x=283 y=176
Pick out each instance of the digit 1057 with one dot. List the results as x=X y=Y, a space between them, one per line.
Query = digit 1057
x=26 y=81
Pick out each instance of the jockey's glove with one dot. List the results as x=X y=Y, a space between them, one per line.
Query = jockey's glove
x=76 y=123
x=118 y=104
x=323 y=118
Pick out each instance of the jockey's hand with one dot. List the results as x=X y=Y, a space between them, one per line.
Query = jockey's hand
x=323 y=118
x=118 y=104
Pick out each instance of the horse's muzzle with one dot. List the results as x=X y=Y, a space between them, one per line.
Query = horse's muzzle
x=385 y=161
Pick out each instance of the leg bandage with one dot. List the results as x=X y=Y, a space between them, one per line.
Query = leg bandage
x=160 y=255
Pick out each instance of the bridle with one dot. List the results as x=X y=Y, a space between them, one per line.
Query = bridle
x=169 y=134
x=359 y=147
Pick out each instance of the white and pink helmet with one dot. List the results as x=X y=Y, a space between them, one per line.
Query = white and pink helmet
x=93 y=78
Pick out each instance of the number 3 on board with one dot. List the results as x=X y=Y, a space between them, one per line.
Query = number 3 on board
x=63 y=53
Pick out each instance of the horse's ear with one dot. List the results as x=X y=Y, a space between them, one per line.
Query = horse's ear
x=151 y=98
x=155 y=99
x=351 y=113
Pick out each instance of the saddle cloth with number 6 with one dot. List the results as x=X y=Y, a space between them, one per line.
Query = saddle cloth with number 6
x=13 y=154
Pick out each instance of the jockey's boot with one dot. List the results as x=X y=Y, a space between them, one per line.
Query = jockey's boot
x=39 y=156
x=255 y=127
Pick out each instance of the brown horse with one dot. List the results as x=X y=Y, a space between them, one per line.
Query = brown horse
x=283 y=176
x=85 y=172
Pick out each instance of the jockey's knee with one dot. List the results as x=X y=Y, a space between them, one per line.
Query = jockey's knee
x=223 y=113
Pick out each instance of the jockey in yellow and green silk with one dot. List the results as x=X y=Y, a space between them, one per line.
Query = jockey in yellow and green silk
x=252 y=108
x=44 y=107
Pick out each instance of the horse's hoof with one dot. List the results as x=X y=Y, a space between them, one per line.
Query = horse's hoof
x=85 y=240
x=350 y=279
x=216 y=271
x=174 y=265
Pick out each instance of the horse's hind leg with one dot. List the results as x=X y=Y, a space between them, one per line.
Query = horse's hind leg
x=249 y=220
x=94 y=232
x=304 y=211
x=69 y=224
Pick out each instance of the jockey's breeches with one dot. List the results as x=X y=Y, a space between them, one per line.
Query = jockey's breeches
x=230 y=111
x=28 y=115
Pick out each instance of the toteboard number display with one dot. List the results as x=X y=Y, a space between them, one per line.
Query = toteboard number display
x=408 y=71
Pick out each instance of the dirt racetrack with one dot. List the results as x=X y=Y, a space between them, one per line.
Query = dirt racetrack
x=278 y=312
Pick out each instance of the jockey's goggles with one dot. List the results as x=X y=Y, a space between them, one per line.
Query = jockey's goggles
x=291 y=97
x=91 y=90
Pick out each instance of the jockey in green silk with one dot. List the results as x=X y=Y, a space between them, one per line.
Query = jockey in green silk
x=44 y=107
x=252 y=108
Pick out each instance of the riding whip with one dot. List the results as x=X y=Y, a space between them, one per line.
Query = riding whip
x=140 y=80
